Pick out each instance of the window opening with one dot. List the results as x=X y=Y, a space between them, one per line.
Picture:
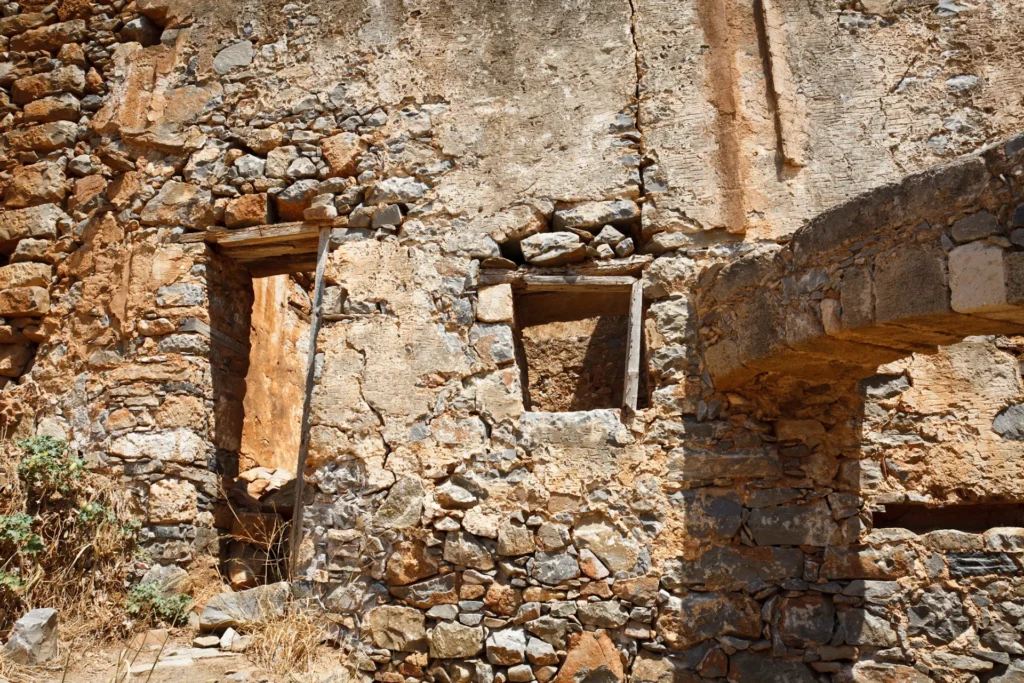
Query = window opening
x=579 y=342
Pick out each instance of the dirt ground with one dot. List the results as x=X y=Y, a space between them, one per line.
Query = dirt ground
x=177 y=662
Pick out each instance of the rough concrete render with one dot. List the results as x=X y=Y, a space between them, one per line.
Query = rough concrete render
x=815 y=471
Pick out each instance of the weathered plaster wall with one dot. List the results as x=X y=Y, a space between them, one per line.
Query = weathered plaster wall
x=276 y=381
x=453 y=535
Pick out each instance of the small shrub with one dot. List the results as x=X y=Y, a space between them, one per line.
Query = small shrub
x=16 y=532
x=46 y=466
x=147 y=601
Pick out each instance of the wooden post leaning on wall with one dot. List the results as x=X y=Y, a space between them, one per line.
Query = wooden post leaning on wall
x=315 y=318
x=631 y=385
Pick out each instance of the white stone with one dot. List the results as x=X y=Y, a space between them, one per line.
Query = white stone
x=495 y=304
x=976 y=277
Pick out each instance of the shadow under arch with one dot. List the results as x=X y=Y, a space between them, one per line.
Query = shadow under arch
x=801 y=329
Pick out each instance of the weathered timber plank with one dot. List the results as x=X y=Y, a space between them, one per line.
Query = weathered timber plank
x=631 y=385
x=307 y=400
x=264 y=234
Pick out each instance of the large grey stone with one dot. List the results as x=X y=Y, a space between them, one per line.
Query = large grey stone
x=696 y=617
x=396 y=191
x=553 y=249
x=723 y=566
x=861 y=627
x=938 y=616
x=603 y=614
x=597 y=534
x=593 y=215
x=238 y=55
x=506 y=647
x=793 y=524
x=397 y=628
x=245 y=607
x=975 y=226
x=805 y=619
x=33 y=640
x=687 y=464
x=554 y=568
x=549 y=629
x=452 y=640
x=963 y=565
x=712 y=516
x=751 y=667
x=465 y=549
x=1009 y=423
x=403 y=506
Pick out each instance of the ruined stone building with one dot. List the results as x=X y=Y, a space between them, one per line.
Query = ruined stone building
x=659 y=340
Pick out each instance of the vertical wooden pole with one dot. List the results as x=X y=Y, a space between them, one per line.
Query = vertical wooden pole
x=631 y=385
x=315 y=318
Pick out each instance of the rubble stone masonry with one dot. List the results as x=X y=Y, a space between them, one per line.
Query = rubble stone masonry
x=822 y=202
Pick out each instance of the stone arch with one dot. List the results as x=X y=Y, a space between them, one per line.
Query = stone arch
x=902 y=269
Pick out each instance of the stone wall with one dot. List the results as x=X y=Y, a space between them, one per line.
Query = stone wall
x=725 y=530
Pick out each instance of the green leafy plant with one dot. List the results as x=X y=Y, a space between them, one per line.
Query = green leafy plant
x=93 y=513
x=148 y=601
x=16 y=530
x=47 y=466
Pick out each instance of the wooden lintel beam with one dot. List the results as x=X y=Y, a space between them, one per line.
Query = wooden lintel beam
x=264 y=234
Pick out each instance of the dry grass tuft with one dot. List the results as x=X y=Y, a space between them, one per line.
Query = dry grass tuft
x=288 y=644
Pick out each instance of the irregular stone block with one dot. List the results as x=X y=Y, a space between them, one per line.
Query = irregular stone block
x=506 y=647
x=916 y=270
x=343 y=152
x=248 y=210
x=42 y=183
x=938 y=615
x=688 y=464
x=866 y=563
x=69 y=79
x=33 y=640
x=30 y=302
x=403 y=506
x=36 y=222
x=245 y=607
x=805 y=619
x=735 y=565
x=452 y=640
x=43 y=138
x=591 y=215
x=603 y=614
x=977 y=277
x=696 y=617
x=50 y=38
x=553 y=249
x=880 y=672
x=591 y=656
x=751 y=667
x=397 y=628
x=554 y=568
x=172 y=501
x=494 y=304
x=963 y=565
x=179 y=203
x=234 y=56
x=793 y=524
x=466 y=550
x=396 y=191
x=975 y=226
